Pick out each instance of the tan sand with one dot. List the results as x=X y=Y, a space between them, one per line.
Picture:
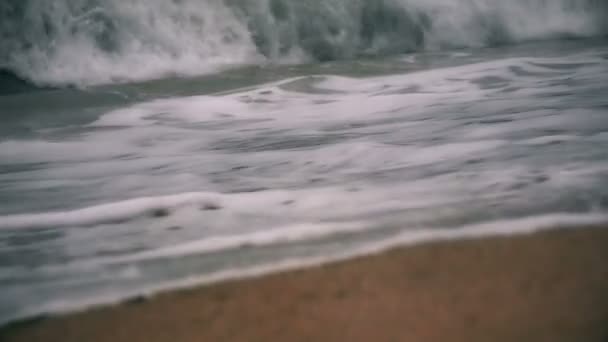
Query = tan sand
x=551 y=286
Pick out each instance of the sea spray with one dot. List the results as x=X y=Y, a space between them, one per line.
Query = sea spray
x=91 y=42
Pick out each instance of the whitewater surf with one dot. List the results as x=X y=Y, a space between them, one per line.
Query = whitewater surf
x=95 y=42
x=149 y=145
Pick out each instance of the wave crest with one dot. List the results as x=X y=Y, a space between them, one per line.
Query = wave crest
x=93 y=42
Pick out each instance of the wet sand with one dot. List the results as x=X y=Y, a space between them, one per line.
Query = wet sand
x=550 y=286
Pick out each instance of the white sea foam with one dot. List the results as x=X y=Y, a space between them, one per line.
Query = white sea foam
x=108 y=41
x=107 y=213
x=307 y=162
x=407 y=238
x=295 y=206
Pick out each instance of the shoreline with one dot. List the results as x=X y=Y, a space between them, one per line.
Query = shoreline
x=550 y=285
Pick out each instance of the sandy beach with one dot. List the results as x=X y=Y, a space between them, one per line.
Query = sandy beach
x=550 y=286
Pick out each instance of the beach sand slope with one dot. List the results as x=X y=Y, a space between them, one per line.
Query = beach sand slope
x=549 y=286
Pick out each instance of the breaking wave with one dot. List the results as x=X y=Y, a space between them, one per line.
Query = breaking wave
x=91 y=42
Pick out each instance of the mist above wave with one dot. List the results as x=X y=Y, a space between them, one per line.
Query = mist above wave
x=91 y=42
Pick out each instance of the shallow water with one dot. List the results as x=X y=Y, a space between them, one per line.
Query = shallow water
x=114 y=191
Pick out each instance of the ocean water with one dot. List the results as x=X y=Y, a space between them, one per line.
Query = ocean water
x=150 y=145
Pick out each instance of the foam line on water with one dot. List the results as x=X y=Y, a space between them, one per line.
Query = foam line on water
x=107 y=213
x=512 y=227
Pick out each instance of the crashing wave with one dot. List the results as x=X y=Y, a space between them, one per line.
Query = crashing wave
x=91 y=42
